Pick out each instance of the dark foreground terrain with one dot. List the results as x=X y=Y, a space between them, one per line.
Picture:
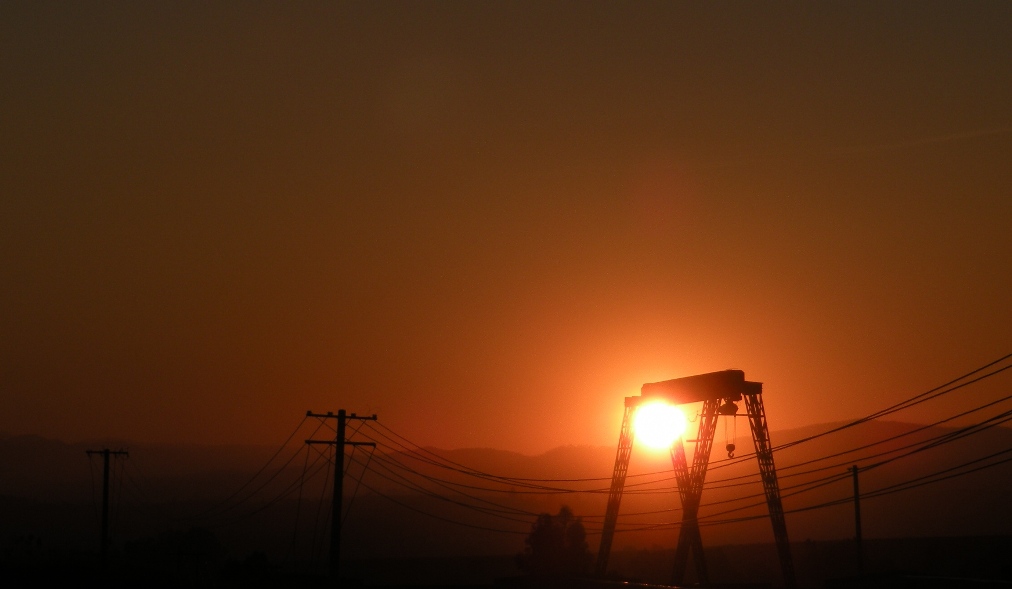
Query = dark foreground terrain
x=907 y=562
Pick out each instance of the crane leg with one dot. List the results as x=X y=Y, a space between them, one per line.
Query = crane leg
x=625 y=444
x=690 y=490
x=764 y=453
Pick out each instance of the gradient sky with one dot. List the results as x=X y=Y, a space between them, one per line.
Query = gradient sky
x=489 y=222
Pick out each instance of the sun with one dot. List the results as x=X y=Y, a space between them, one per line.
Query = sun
x=659 y=424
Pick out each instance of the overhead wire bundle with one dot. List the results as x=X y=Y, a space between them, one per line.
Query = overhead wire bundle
x=453 y=491
x=429 y=482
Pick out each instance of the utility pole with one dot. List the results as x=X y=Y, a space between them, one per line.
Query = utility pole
x=336 y=501
x=857 y=520
x=106 y=453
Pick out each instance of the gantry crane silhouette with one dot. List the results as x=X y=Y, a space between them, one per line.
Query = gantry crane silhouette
x=718 y=391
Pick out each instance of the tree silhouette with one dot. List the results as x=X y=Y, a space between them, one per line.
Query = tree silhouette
x=557 y=545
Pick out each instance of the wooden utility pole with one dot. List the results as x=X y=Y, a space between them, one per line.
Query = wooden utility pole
x=857 y=521
x=336 y=501
x=106 y=453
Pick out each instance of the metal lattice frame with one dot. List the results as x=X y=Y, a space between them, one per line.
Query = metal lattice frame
x=764 y=453
x=625 y=444
x=684 y=480
x=690 y=490
x=712 y=389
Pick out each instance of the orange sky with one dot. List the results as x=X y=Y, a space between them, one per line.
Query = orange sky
x=488 y=223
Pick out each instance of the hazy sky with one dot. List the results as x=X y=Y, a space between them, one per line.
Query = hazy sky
x=489 y=221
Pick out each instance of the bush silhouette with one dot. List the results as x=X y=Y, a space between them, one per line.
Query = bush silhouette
x=557 y=545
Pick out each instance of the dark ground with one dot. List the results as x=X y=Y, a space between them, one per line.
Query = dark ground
x=909 y=562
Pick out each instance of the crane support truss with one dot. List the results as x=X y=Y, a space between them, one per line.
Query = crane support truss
x=764 y=453
x=690 y=490
x=625 y=443
x=717 y=391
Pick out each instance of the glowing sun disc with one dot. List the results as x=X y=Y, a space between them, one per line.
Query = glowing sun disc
x=659 y=424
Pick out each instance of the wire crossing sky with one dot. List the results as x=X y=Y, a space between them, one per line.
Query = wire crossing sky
x=400 y=471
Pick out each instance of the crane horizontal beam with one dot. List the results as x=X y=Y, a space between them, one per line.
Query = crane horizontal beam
x=727 y=384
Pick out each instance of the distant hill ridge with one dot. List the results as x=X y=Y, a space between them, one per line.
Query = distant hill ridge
x=33 y=464
x=45 y=483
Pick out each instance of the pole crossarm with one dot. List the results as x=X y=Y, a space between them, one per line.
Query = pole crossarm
x=335 y=442
x=332 y=415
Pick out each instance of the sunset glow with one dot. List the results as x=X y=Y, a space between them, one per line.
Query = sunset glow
x=659 y=424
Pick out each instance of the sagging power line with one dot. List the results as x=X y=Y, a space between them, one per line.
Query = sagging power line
x=417 y=470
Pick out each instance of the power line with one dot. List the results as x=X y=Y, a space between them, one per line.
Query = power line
x=221 y=507
x=432 y=515
x=298 y=509
x=277 y=498
x=714 y=485
x=414 y=450
x=802 y=488
x=865 y=446
x=912 y=401
x=358 y=482
x=493 y=512
x=931 y=394
x=899 y=487
x=313 y=546
x=892 y=488
x=923 y=445
x=805 y=486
